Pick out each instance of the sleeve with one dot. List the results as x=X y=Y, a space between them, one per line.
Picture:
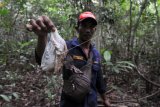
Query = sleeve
x=38 y=59
x=100 y=84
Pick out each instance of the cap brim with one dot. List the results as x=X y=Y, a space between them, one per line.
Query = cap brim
x=89 y=18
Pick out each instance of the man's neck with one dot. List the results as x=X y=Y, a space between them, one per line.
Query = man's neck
x=85 y=47
x=85 y=44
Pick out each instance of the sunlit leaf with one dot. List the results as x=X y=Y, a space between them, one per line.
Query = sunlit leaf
x=124 y=66
x=158 y=1
x=151 y=8
x=1 y=87
x=15 y=95
x=109 y=63
x=1 y=4
x=107 y=56
x=5 y=97
x=116 y=70
x=126 y=62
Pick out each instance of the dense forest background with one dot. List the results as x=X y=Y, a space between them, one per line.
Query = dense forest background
x=127 y=36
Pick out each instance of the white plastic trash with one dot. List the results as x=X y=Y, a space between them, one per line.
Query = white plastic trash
x=54 y=53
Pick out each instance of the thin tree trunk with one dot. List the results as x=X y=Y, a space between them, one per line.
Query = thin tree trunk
x=130 y=33
x=134 y=29
x=157 y=34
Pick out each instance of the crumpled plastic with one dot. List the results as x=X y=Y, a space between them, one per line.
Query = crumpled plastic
x=54 y=53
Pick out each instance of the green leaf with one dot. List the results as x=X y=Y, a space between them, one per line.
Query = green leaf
x=127 y=63
x=109 y=63
x=1 y=87
x=15 y=94
x=123 y=69
x=151 y=8
x=158 y=1
x=124 y=4
x=4 y=97
x=114 y=87
x=116 y=70
x=107 y=56
x=124 y=66
x=102 y=50
x=4 y=11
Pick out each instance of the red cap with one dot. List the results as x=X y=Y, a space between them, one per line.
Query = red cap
x=87 y=15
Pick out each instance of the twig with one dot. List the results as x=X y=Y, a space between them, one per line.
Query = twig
x=136 y=101
x=151 y=95
x=16 y=16
x=155 y=84
x=133 y=101
x=109 y=91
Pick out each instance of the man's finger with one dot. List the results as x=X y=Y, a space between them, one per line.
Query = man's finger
x=29 y=27
x=40 y=22
x=49 y=23
x=35 y=25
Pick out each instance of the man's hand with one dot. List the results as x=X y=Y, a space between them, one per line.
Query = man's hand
x=105 y=100
x=41 y=26
x=107 y=103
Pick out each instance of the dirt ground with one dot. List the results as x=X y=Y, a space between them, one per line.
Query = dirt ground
x=25 y=86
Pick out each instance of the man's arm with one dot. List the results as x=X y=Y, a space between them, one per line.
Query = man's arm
x=101 y=87
x=41 y=27
x=105 y=100
x=41 y=44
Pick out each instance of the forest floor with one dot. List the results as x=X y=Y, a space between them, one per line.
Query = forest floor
x=22 y=85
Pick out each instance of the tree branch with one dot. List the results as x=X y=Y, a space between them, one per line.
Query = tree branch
x=136 y=101
x=110 y=91
x=155 y=84
x=123 y=101
x=16 y=17
x=151 y=95
x=136 y=26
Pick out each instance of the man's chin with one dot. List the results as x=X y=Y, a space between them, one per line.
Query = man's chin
x=88 y=37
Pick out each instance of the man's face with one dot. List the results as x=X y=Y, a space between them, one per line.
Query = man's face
x=86 y=29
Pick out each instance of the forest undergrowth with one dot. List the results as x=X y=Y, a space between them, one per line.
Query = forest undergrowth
x=23 y=84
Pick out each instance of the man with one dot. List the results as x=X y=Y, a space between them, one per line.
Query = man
x=81 y=48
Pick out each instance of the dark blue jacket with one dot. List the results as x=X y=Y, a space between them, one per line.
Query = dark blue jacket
x=97 y=84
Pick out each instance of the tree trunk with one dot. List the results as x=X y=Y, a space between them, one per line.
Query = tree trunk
x=130 y=33
x=134 y=29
